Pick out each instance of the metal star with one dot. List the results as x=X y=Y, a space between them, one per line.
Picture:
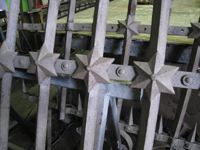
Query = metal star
x=43 y=63
x=158 y=80
x=130 y=25
x=92 y=68
x=6 y=59
x=195 y=30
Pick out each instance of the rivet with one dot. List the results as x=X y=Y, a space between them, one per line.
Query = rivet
x=121 y=71
x=187 y=80
x=22 y=62
x=65 y=65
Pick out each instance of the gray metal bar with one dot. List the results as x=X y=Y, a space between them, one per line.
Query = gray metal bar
x=99 y=25
x=113 y=125
x=7 y=77
x=49 y=123
x=127 y=43
x=128 y=36
x=49 y=129
x=12 y=24
x=158 y=40
x=90 y=119
x=185 y=94
x=42 y=114
x=70 y=21
x=5 y=109
x=92 y=102
x=51 y=24
x=144 y=29
x=45 y=85
x=119 y=107
x=101 y=119
x=116 y=89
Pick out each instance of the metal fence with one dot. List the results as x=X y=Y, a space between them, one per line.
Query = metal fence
x=96 y=71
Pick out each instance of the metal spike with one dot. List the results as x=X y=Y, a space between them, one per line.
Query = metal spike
x=159 y=128
x=79 y=103
x=23 y=86
x=130 y=119
x=191 y=137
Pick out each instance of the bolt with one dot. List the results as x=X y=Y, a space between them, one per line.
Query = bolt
x=121 y=71
x=22 y=62
x=65 y=66
x=188 y=80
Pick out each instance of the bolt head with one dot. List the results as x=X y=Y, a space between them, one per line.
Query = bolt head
x=65 y=65
x=187 y=80
x=121 y=71
x=22 y=62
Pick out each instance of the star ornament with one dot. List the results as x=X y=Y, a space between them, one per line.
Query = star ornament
x=43 y=63
x=195 y=31
x=6 y=59
x=154 y=82
x=92 y=68
x=129 y=25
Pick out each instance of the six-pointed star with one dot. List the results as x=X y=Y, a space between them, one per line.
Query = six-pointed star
x=43 y=63
x=156 y=81
x=130 y=25
x=6 y=59
x=92 y=68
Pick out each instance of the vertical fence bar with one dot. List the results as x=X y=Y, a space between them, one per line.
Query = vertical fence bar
x=127 y=44
x=7 y=77
x=92 y=98
x=45 y=85
x=158 y=40
x=99 y=25
x=70 y=21
x=113 y=125
x=49 y=123
x=128 y=36
x=185 y=94
x=101 y=119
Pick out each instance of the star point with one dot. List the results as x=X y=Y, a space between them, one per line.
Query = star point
x=43 y=63
x=195 y=31
x=5 y=55
x=92 y=69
